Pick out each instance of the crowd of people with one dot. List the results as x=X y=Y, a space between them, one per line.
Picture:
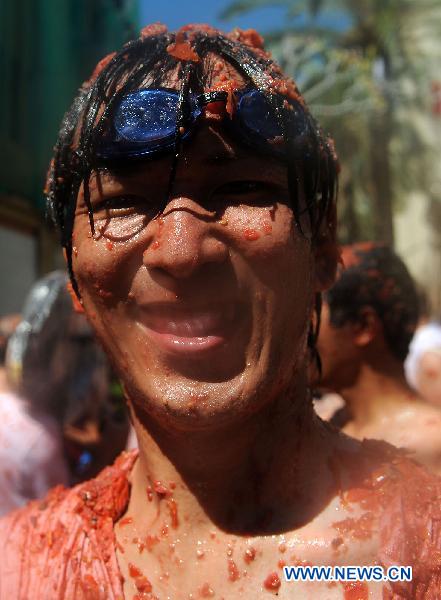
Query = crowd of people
x=280 y=396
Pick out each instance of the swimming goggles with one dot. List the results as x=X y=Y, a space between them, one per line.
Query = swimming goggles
x=145 y=122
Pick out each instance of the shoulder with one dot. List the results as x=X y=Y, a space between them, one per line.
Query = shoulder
x=64 y=545
x=418 y=429
x=409 y=500
x=411 y=529
x=402 y=502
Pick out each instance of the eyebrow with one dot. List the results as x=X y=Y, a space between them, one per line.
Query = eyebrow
x=132 y=170
x=223 y=157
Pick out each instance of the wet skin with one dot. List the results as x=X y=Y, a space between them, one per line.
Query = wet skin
x=204 y=310
x=359 y=366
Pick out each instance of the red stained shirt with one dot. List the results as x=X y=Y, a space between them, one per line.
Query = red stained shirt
x=64 y=547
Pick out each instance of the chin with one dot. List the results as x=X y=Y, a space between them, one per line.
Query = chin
x=176 y=403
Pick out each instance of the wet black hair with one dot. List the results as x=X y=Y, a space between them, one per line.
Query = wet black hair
x=145 y=62
x=375 y=276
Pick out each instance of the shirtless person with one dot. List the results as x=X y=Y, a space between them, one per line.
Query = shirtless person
x=211 y=195
x=368 y=319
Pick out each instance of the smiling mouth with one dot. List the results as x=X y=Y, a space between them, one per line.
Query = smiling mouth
x=190 y=332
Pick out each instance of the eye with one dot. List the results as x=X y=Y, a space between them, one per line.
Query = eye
x=123 y=205
x=243 y=187
x=250 y=192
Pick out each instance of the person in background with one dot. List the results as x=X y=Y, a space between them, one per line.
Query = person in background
x=423 y=363
x=50 y=422
x=367 y=321
x=31 y=449
x=196 y=197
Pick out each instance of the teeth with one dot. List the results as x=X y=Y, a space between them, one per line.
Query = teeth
x=172 y=327
x=198 y=326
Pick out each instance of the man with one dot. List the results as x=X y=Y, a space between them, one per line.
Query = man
x=211 y=193
x=368 y=319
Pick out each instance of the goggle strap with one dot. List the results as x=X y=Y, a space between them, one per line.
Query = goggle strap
x=215 y=96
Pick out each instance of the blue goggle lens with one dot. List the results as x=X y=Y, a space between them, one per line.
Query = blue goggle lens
x=257 y=115
x=146 y=116
x=145 y=123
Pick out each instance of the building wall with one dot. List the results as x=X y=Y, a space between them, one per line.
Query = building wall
x=47 y=49
x=16 y=248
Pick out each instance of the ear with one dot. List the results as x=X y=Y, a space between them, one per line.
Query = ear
x=76 y=303
x=367 y=328
x=326 y=252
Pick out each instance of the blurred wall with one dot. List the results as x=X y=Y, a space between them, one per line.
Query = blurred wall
x=47 y=48
x=16 y=248
x=417 y=219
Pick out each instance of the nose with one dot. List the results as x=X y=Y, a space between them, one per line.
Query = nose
x=183 y=239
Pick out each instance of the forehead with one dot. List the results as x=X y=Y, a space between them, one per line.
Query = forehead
x=208 y=157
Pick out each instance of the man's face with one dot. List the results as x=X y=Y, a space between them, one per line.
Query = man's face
x=338 y=353
x=203 y=309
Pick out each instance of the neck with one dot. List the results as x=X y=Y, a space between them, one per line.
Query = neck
x=380 y=387
x=247 y=477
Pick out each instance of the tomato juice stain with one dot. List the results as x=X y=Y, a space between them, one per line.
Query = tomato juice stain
x=249 y=555
x=134 y=571
x=143 y=585
x=206 y=591
x=161 y=489
x=182 y=49
x=360 y=529
x=233 y=571
x=251 y=234
x=173 y=510
x=272 y=582
x=356 y=590
x=150 y=541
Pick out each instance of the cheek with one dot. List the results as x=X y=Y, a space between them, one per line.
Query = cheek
x=103 y=267
x=280 y=261
x=259 y=231
x=254 y=224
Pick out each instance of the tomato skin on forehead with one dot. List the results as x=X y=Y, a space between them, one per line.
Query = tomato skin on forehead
x=182 y=49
